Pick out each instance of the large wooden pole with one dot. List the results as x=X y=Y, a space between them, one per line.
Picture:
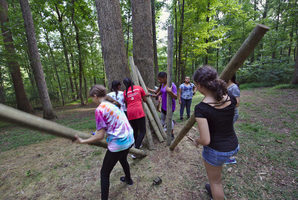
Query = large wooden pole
x=243 y=52
x=147 y=110
x=246 y=48
x=149 y=101
x=151 y=106
x=169 y=84
x=23 y=119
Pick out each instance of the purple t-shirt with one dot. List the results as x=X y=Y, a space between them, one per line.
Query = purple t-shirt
x=164 y=97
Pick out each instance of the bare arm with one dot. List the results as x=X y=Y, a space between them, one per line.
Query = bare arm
x=179 y=95
x=99 y=135
x=238 y=101
x=194 y=90
x=153 y=91
x=203 y=128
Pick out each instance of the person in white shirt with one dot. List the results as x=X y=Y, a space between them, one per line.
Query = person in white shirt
x=117 y=95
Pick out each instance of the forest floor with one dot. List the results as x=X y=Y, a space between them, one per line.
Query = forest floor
x=39 y=166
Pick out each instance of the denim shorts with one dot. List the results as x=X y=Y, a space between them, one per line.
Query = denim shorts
x=217 y=158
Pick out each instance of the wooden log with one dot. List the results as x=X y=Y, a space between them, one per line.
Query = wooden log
x=147 y=110
x=149 y=101
x=169 y=84
x=151 y=106
x=23 y=119
x=243 y=52
x=190 y=122
x=149 y=135
x=153 y=123
x=246 y=48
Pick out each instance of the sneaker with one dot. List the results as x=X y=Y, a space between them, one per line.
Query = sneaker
x=124 y=180
x=181 y=118
x=133 y=156
x=208 y=188
x=231 y=161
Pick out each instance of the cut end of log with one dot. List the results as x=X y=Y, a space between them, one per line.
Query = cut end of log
x=263 y=27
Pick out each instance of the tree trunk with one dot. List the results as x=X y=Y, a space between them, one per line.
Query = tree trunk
x=34 y=56
x=295 y=77
x=128 y=28
x=156 y=70
x=65 y=51
x=169 y=83
x=180 y=43
x=14 y=67
x=54 y=64
x=80 y=54
x=74 y=74
x=176 y=43
x=2 y=92
x=112 y=40
x=276 y=29
x=142 y=40
x=206 y=41
x=85 y=87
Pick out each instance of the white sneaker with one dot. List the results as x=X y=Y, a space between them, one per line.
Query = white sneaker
x=133 y=156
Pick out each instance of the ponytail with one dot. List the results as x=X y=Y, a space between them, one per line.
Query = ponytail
x=128 y=83
x=115 y=85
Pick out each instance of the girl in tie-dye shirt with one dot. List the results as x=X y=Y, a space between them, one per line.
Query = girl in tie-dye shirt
x=110 y=121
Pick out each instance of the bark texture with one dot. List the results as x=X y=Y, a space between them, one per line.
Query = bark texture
x=143 y=40
x=112 y=40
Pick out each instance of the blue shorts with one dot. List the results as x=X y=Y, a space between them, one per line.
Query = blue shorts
x=217 y=158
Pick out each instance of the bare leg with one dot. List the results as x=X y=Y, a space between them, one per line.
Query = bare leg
x=214 y=177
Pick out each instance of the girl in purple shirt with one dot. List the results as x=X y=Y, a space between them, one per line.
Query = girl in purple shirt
x=164 y=90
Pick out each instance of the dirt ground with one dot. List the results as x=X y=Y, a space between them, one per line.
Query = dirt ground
x=59 y=169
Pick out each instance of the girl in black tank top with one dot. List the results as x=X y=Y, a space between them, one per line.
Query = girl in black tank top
x=214 y=116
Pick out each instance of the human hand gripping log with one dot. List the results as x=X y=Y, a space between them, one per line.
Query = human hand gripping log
x=33 y=122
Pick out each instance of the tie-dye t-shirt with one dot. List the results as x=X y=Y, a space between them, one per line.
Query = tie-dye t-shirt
x=113 y=120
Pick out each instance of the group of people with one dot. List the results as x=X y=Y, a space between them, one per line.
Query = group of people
x=120 y=116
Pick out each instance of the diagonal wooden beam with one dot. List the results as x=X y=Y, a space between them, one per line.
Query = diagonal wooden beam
x=235 y=63
x=33 y=122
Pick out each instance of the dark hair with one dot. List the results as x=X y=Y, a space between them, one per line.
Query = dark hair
x=162 y=75
x=128 y=83
x=98 y=90
x=206 y=76
x=233 y=79
x=115 y=85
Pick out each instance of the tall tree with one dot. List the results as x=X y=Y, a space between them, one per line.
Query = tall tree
x=34 y=56
x=14 y=67
x=65 y=50
x=180 y=62
x=2 y=93
x=79 y=52
x=112 y=40
x=295 y=77
x=156 y=70
x=142 y=40
x=54 y=64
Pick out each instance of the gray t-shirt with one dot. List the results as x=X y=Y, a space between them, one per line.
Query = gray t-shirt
x=234 y=90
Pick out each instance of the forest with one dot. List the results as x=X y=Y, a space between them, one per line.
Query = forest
x=69 y=45
x=52 y=52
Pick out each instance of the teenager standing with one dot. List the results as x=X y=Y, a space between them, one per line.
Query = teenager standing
x=185 y=94
x=214 y=115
